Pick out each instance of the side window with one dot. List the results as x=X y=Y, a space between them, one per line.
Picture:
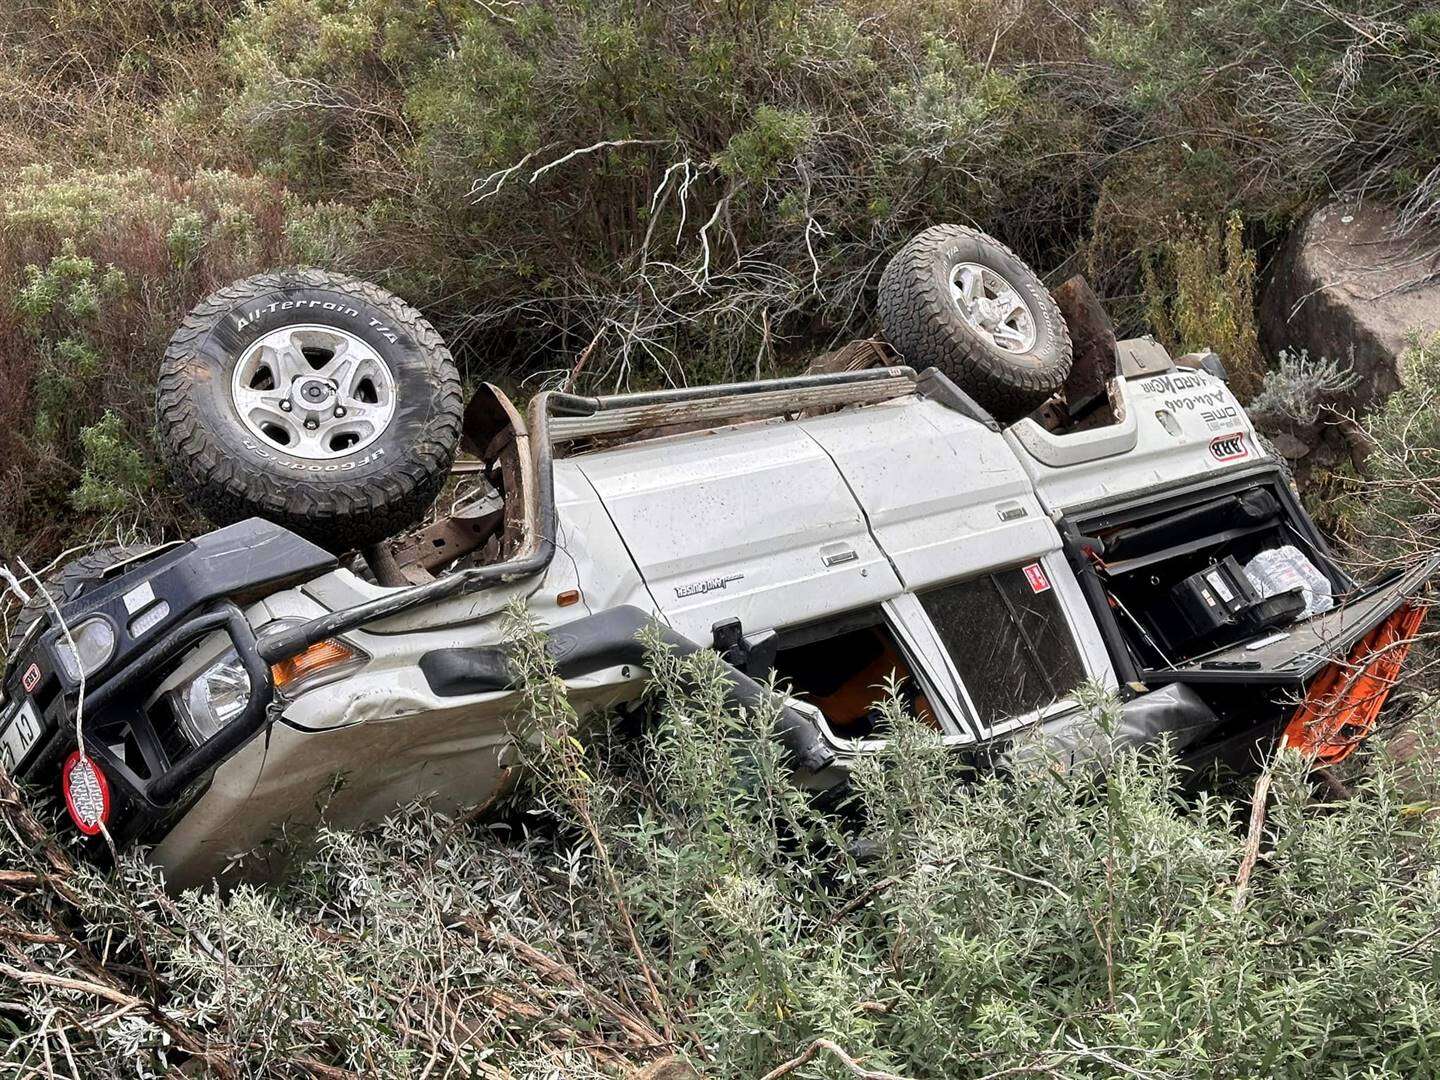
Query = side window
x=1008 y=639
x=841 y=667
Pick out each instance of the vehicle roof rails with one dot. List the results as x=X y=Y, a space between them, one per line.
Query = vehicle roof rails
x=620 y=413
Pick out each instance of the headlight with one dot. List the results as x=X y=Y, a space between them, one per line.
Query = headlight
x=94 y=646
x=220 y=693
x=215 y=697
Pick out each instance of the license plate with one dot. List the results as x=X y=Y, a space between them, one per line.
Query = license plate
x=19 y=732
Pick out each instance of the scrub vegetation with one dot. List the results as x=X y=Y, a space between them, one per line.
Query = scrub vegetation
x=673 y=893
x=698 y=190
x=1395 y=509
x=686 y=191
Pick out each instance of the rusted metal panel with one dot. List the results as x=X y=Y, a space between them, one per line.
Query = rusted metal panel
x=1093 y=341
x=420 y=554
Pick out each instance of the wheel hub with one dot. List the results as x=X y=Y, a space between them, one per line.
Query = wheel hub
x=993 y=307
x=314 y=392
x=988 y=313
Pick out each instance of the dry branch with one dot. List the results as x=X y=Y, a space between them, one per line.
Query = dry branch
x=856 y=1069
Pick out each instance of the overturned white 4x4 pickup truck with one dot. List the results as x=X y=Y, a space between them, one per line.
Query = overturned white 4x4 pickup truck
x=826 y=531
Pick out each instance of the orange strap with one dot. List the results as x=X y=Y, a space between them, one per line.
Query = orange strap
x=1343 y=703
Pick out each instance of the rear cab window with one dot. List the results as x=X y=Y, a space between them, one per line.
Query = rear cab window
x=1009 y=641
x=969 y=658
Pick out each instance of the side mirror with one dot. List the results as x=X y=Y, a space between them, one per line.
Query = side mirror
x=754 y=655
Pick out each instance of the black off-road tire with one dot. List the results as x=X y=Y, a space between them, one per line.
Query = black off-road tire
x=65 y=585
x=347 y=500
x=920 y=317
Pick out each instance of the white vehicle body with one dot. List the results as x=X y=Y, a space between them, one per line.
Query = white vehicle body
x=847 y=517
x=777 y=523
x=1181 y=423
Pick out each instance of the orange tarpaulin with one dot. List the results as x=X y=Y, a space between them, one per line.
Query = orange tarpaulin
x=1343 y=703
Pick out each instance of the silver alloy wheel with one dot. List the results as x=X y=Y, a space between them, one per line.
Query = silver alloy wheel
x=313 y=392
x=993 y=307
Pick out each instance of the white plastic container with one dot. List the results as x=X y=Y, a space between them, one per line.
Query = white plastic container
x=1286 y=568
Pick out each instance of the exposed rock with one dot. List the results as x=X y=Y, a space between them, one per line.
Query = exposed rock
x=1288 y=446
x=1347 y=288
x=1093 y=360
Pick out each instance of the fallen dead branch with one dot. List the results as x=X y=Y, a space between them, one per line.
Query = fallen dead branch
x=834 y=1050
x=1253 y=836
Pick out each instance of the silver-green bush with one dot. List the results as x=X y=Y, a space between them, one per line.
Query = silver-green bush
x=674 y=892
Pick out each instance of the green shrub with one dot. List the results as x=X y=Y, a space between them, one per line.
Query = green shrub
x=705 y=192
x=97 y=269
x=1298 y=391
x=1393 y=510
x=1203 y=297
x=64 y=375
x=115 y=474
x=67 y=289
x=676 y=891
x=328 y=235
x=772 y=140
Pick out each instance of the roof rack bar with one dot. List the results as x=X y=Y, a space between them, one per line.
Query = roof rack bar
x=776 y=397
x=745 y=389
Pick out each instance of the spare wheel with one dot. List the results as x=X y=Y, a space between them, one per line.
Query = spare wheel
x=318 y=401
x=956 y=299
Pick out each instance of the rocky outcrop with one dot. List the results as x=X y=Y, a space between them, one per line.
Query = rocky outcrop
x=1348 y=288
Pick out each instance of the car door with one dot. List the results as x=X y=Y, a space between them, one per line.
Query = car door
x=752 y=523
